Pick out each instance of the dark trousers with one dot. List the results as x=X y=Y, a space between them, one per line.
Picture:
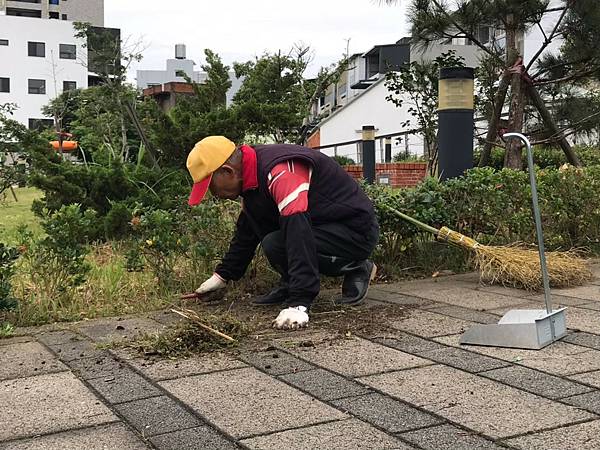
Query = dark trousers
x=337 y=247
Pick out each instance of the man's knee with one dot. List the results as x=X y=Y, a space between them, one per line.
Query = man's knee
x=273 y=244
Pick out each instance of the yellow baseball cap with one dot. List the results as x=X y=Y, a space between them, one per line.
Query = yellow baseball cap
x=207 y=156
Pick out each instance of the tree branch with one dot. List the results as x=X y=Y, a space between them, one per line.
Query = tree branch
x=462 y=30
x=547 y=40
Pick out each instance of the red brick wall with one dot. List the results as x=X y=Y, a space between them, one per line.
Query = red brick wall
x=398 y=174
x=314 y=140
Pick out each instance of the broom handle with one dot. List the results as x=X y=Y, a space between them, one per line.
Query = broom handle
x=415 y=222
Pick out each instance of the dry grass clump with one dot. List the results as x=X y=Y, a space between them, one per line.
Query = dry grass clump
x=188 y=337
x=520 y=267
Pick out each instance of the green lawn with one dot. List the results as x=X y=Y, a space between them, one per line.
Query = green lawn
x=14 y=213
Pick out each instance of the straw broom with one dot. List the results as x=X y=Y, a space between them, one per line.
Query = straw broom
x=513 y=265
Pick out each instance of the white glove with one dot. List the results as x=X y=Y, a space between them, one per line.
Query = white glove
x=214 y=283
x=291 y=318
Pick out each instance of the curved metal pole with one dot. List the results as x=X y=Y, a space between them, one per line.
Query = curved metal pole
x=538 y=218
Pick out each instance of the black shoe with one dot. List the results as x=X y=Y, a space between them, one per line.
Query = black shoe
x=278 y=295
x=356 y=282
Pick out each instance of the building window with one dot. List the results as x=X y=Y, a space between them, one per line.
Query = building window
x=180 y=73
x=3 y=41
x=40 y=124
x=69 y=85
x=4 y=84
x=36 y=49
x=23 y=12
x=64 y=17
x=53 y=15
x=37 y=86
x=68 y=51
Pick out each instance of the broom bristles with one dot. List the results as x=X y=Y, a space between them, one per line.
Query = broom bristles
x=520 y=267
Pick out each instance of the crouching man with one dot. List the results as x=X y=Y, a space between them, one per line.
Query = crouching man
x=308 y=214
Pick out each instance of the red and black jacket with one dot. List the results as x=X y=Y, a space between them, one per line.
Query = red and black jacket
x=333 y=197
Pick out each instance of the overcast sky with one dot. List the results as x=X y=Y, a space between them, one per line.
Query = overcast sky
x=238 y=30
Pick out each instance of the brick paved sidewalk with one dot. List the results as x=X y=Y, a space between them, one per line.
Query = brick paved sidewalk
x=414 y=387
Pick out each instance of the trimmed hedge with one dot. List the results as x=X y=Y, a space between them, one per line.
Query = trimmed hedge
x=495 y=206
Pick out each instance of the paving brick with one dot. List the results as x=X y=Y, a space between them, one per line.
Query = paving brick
x=589 y=401
x=385 y=412
x=583 y=339
x=488 y=407
x=560 y=358
x=204 y=438
x=75 y=349
x=47 y=404
x=124 y=386
x=583 y=436
x=275 y=362
x=111 y=436
x=429 y=324
x=470 y=315
x=587 y=292
x=583 y=319
x=396 y=298
x=106 y=330
x=247 y=402
x=342 y=435
x=165 y=369
x=52 y=338
x=102 y=364
x=458 y=294
x=591 y=378
x=15 y=340
x=536 y=382
x=409 y=343
x=323 y=384
x=595 y=306
x=358 y=357
x=448 y=437
x=27 y=359
x=463 y=359
x=157 y=415
x=559 y=300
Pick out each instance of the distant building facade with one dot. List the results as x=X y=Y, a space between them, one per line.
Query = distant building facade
x=42 y=56
x=359 y=98
x=168 y=82
x=91 y=11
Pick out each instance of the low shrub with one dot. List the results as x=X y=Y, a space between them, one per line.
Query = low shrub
x=8 y=257
x=493 y=207
x=543 y=157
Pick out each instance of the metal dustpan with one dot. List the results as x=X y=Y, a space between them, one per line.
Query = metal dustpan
x=527 y=328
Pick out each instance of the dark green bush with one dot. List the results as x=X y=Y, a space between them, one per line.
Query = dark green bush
x=544 y=157
x=111 y=191
x=343 y=160
x=495 y=206
x=491 y=206
x=8 y=257
x=57 y=262
x=116 y=222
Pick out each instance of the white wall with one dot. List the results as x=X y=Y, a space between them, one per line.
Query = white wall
x=370 y=108
x=19 y=67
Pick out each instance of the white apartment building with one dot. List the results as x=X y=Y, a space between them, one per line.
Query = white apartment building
x=177 y=69
x=39 y=59
x=360 y=98
x=91 y=11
